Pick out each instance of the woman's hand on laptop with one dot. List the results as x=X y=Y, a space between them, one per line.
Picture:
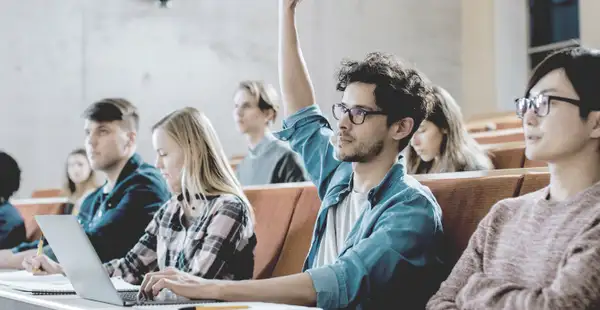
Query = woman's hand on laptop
x=180 y=283
x=41 y=265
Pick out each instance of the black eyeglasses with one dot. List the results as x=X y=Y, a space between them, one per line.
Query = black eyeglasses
x=540 y=104
x=357 y=115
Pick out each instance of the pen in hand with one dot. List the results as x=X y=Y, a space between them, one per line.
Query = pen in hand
x=40 y=252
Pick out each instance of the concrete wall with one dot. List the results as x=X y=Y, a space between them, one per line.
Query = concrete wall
x=57 y=57
x=589 y=23
x=494 y=54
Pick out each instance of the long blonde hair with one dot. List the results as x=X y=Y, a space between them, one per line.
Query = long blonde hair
x=458 y=151
x=206 y=170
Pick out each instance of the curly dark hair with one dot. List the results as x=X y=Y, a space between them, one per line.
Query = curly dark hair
x=400 y=90
x=10 y=178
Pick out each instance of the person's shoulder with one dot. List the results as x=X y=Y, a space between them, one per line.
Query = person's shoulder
x=145 y=176
x=412 y=189
x=229 y=201
x=9 y=210
x=511 y=205
x=91 y=196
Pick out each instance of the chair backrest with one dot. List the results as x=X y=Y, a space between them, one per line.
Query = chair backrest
x=297 y=241
x=499 y=136
x=273 y=209
x=508 y=158
x=465 y=202
x=533 y=182
x=527 y=163
x=28 y=211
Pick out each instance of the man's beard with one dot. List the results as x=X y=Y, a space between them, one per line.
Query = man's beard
x=363 y=153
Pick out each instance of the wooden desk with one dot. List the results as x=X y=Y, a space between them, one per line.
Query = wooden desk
x=15 y=300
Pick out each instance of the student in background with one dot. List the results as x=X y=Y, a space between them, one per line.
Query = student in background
x=206 y=229
x=442 y=143
x=80 y=180
x=379 y=232
x=542 y=250
x=115 y=215
x=269 y=160
x=12 y=226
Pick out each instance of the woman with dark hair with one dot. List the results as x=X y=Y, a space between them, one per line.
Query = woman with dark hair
x=442 y=143
x=542 y=250
x=12 y=226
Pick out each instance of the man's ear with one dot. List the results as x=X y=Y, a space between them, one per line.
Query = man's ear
x=131 y=138
x=594 y=117
x=402 y=128
x=270 y=114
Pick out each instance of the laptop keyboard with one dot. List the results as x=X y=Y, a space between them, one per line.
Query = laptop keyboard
x=129 y=296
x=132 y=297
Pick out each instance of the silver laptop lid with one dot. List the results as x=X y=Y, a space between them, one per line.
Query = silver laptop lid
x=78 y=258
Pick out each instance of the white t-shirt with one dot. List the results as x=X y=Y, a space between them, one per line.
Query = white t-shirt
x=340 y=221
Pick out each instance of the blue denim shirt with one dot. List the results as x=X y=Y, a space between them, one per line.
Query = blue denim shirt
x=391 y=254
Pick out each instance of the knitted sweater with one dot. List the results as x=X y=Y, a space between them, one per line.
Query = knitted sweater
x=530 y=253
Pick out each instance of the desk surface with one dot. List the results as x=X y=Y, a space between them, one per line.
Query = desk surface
x=74 y=302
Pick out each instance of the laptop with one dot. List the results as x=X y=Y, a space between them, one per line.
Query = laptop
x=83 y=267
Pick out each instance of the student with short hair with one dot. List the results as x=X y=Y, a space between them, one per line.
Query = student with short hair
x=207 y=228
x=12 y=226
x=269 y=160
x=115 y=215
x=442 y=143
x=378 y=234
x=542 y=250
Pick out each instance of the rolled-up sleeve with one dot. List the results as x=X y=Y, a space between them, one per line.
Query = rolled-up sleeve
x=308 y=133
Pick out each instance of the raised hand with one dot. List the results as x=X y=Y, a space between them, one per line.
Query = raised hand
x=289 y=4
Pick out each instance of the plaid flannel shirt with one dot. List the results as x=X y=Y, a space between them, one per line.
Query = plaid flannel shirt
x=218 y=245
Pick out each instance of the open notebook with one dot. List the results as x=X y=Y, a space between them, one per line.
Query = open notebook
x=50 y=284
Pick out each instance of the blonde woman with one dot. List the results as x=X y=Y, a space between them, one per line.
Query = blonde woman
x=80 y=180
x=442 y=143
x=207 y=227
x=269 y=160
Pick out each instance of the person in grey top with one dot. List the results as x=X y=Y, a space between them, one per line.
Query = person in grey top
x=269 y=160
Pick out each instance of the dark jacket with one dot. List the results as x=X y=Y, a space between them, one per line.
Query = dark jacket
x=12 y=226
x=116 y=220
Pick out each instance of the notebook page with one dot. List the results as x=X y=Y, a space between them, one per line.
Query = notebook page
x=25 y=281
x=8 y=278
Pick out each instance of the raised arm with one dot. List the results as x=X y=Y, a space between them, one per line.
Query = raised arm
x=296 y=87
x=305 y=128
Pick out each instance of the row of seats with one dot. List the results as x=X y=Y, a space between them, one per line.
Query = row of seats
x=505 y=120
x=286 y=213
x=510 y=156
x=499 y=136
